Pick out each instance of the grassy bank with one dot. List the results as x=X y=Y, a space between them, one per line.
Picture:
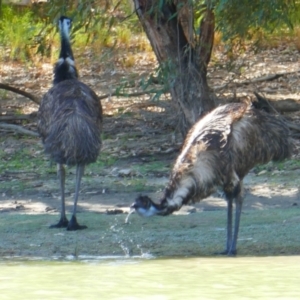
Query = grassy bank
x=266 y=232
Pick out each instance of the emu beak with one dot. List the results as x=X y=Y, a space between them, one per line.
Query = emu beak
x=133 y=206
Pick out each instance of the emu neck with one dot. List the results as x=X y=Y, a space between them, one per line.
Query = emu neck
x=65 y=50
x=65 y=67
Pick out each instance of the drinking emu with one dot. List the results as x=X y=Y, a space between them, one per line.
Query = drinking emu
x=219 y=151
x=69 y=122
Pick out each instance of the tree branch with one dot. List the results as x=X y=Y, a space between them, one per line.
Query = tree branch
x=32 y=116
x=206 y=41
x=20 y=92
x=269 y=77
x=38 y=101
x=18 y=129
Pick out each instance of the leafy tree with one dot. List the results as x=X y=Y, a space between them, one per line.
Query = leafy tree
x=181 y=33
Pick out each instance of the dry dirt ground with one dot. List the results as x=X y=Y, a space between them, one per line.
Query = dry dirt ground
x=138 y=132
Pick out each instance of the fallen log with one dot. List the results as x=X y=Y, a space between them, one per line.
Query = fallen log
x=6 y=118
x=18 y=129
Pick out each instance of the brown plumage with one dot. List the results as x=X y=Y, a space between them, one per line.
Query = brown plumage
x=70 y=122
x=219 y=151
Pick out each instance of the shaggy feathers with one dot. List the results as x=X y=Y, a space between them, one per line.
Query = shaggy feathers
x=70 y=123
x=219 y=151
x=231 y=139
x=64 y=69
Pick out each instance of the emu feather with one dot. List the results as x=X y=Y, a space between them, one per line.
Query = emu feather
x=218 y=152
x=70 y=122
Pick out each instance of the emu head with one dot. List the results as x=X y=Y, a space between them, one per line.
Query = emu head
x=145 y=207
x=65 y=25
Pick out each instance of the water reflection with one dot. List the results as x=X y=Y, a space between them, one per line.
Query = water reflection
x=120 y=278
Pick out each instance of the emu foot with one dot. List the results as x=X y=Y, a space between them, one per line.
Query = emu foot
x=227 y=252
x=73 y=225
x=63 y=223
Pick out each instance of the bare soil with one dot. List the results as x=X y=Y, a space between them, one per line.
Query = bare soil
x=137 y=133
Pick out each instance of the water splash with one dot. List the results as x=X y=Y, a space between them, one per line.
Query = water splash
x=127 y=241
x=119 y=232
x=132 y=210
x=144 y=254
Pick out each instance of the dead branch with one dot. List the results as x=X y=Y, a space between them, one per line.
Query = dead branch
x=18 y=129
x=254 y=80
x=18 y=117
x=265 y=78
x=136 y=94
x=38 y=101
x=7 y=87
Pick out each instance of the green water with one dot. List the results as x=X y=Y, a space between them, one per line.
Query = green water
x=184 y=278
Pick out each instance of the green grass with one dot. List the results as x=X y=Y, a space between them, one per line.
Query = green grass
x=153 y=167
x=24 y=166
x=284 y=165
x=28 y=158
x=3 y=94
x=262 y=233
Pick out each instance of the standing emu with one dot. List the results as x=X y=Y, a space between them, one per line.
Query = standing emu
x=69 y=122
x=219 y=151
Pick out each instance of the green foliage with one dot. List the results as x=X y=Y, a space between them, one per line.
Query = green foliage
x=240 y=18
x=101 y=24
x=17 y=32
x=238 y=21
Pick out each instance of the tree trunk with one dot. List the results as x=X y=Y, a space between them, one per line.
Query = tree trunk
x=182 y=54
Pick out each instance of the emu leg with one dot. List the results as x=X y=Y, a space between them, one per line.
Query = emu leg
x=238 y=211
x=63 y=222
x=229 y=226
x=73 y=224
x=236 y=194
x=229 y=199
